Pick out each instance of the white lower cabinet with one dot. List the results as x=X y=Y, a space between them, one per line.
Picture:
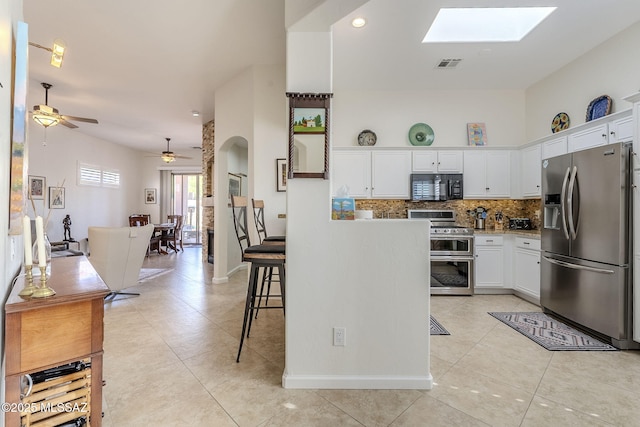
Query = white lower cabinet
x=489 y=261
x=527 y=267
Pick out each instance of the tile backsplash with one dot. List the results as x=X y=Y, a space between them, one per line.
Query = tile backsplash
x=528 y=208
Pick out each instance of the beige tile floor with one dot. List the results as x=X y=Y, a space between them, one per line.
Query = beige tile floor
x=170 y=361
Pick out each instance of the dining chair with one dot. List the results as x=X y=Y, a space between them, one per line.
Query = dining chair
x=140 y=220
x=260 y=257
x=174 y=236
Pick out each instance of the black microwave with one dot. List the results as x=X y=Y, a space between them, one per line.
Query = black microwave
x=435 y=186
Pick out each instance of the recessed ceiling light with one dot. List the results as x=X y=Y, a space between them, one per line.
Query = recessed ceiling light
x=506 y=24
x=358 y=22
x=195 y=113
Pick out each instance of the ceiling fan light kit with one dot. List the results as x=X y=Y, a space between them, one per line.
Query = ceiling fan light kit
x=45 y=115
x=168 y=157
x=48 y=116
x=57 y=53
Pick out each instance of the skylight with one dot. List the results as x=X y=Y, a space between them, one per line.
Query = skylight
x=506 y=24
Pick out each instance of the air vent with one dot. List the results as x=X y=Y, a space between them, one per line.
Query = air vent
x=449 y=63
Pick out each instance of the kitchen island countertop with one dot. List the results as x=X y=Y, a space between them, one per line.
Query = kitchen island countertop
x=534 y=234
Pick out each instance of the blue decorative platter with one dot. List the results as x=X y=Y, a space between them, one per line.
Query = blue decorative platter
x=421 y=134
x=599 y=107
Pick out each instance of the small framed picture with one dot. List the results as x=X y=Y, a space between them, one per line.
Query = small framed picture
x=37 y=186
x=150 y=196
x=235 y=185
x=477 y=133
x=56 y=197
x=281 y=175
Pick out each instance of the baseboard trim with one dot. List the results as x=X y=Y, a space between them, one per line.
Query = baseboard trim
x=355 y=382
x=218 y=280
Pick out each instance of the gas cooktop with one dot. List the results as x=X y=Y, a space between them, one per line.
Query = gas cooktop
x=443 y=222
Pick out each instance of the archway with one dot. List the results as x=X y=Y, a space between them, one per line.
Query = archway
x=231 y=166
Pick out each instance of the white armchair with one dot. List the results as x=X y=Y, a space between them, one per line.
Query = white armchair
x=117 y=254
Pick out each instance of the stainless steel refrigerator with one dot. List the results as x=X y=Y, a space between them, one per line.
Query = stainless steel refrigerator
x=586 y=238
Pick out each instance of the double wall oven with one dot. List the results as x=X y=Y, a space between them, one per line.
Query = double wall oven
x=451 y=252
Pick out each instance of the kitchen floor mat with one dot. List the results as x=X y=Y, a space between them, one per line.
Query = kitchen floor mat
x=436 y=328
x=550 y=333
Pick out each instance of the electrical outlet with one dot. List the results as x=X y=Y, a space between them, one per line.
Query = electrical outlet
x=340 y=337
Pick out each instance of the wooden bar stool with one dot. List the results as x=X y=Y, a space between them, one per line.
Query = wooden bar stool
x=268 y=275
x=260 y=256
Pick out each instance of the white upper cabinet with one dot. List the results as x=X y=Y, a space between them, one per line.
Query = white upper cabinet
x=487 y=174
x=372 y=174
x=431 y=161
x=530 y=172
x=390 y=174
x=351 y=169
x=588 y=138
x=621 y=130
x=554 y=147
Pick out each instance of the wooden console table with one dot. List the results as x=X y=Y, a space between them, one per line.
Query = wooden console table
x=49 y=332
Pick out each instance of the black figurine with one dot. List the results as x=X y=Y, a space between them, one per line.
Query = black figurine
x=67 y=229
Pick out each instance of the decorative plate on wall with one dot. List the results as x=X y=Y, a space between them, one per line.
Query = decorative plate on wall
x=421 y=134
x=367 y=138
x=599 y=107
x=560 y=122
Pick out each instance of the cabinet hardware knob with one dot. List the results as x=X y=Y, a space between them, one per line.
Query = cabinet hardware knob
x=613 y=132
x=526 y=243
x=604 y=135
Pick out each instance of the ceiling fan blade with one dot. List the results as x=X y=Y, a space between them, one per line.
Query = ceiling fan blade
x=181 y=157
x=80 y=119
x=70 y=125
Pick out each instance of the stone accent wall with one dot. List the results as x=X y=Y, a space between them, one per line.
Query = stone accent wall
x=529 y=208
x=208 y=154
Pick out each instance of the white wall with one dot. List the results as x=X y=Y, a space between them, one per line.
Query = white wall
x=370 y=277
x=250 y=107
x=270 y=142
x=613 y=69
x=390 y=114
x=234 y=123
x=87 y=206
x=10 y=246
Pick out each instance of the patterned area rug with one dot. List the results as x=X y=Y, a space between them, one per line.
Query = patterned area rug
x=437 y=328
x=147 y=274
x=550 y=333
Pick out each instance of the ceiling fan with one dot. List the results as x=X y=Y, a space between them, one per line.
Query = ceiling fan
x=169 y=156
x=48 y=116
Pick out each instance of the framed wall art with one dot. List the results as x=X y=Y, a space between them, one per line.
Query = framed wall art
x=17 y=175
x=37 y=186
x=56 y=197
x=235 y=185
x=150 y=196
x=308 y=135
x=477 y=133
x=281 y=175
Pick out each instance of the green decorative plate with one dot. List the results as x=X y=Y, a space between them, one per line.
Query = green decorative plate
x=421 y=134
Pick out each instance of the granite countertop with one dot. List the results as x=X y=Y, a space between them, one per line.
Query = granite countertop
x=525 y=233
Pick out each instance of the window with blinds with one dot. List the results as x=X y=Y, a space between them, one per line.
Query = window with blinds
x=97 y=176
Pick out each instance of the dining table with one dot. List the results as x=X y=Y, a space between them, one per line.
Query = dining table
x=164 y=229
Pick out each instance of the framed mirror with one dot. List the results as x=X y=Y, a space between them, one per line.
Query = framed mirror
x=309 y=135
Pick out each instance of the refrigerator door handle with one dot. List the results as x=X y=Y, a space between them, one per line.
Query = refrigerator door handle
x=563 y=203
x=573 y=228
x=578 y=267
